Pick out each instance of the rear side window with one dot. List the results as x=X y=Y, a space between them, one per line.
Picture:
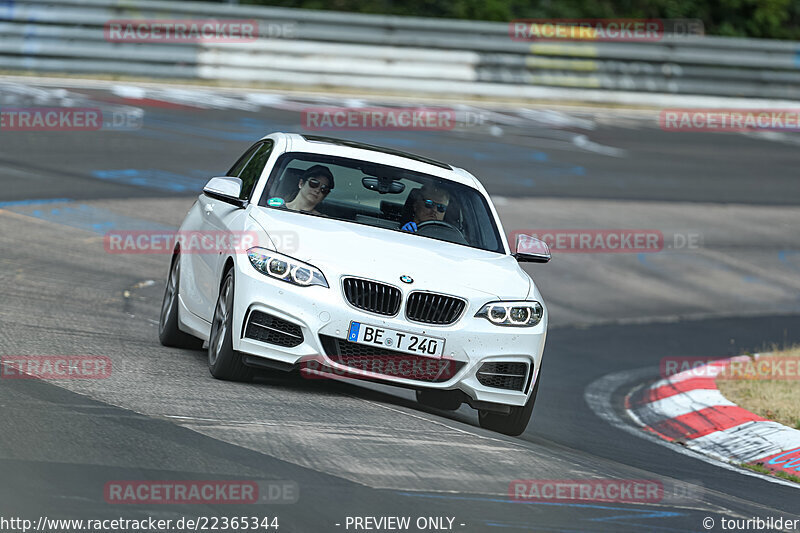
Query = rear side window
x=254 y=167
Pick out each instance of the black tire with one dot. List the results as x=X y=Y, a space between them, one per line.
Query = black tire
x=446 y=400
x=168 y=332
x=223 y=361
x=515 y=422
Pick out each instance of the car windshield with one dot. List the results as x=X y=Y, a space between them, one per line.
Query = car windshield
x=382 y=196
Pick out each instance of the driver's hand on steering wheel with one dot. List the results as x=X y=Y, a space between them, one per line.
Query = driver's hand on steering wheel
x=410 y=226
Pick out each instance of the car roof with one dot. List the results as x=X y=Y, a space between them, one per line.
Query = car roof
x=378 y=154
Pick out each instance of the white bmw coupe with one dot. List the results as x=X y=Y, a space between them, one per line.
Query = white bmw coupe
x=360 y=262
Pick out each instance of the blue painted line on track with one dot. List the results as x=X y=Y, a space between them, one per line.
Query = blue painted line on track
x=784 y=255
x=495 y=152
x=88 y=218
x=528 y=526
x=245 y=129
x=193 y=130
x=159 y=125
x=635 y=513
x=542 y=168
x=156 y=179
x=34 y=202
x=537 y=526
x=248 y=129
x=678 y=257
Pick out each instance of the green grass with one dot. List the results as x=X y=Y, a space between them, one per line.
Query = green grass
x=761 y=469
x=789 y=477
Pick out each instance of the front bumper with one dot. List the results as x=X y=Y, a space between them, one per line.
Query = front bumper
x=324 y=311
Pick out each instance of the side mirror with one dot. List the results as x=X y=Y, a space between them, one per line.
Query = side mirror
x=226 y=190
x=529 y=249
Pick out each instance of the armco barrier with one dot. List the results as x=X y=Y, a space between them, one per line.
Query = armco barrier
x=401 y=54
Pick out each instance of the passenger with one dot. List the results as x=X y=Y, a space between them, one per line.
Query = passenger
x=314 y=185
x=430 y=204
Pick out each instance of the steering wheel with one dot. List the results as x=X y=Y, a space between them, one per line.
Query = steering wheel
x=441 y=223
x=446 y=231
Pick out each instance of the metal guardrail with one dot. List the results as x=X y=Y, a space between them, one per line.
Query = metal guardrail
x=400 y=54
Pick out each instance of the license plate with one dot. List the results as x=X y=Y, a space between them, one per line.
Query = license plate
x=395 y=340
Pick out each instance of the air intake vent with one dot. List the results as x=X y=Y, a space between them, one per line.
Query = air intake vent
x=510 y=376
x=372 y=296
x=431 y=308
x=389 y=362
x=273 y=330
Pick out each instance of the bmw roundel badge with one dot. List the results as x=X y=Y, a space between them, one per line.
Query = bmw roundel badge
x=406 y=279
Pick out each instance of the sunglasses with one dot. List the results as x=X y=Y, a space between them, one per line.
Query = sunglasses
x=314 y=183
x=430 y=204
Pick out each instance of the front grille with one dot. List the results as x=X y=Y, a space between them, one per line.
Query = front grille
x=431 y=308
x=389 y=362
x=372 y=296
x=273 y=330
x=510 y=376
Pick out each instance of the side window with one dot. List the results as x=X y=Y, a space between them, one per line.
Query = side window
x=253 y=169
x=242 y=161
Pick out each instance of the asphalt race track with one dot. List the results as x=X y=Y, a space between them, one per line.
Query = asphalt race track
x=371 y=450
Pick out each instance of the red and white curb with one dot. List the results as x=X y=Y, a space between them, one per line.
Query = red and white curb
x=687 y=408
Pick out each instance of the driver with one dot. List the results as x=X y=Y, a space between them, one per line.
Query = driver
x=431 y=204
x=314 y=186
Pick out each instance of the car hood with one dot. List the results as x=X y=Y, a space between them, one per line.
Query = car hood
x=344 y=248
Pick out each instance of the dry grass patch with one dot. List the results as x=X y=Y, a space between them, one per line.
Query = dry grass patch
x=775 y=399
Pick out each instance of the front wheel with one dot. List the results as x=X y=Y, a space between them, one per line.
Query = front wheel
x=223 y=361
x=513 y=423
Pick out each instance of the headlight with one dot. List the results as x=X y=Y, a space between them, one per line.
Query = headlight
x=285 y=268
x=514 y=314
